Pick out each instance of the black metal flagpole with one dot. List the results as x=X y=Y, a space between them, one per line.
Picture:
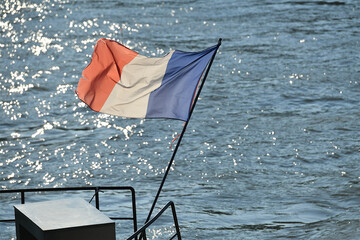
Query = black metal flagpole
x=182 y=133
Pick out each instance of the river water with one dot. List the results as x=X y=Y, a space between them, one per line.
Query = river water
x=272 y=150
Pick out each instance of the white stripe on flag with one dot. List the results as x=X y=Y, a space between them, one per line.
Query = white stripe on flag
x=139 y=78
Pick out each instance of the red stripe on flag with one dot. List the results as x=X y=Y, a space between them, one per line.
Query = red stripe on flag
x=103 y=72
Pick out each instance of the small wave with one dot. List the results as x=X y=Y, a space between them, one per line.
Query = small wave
x=255 y=227
x=76 y=129
x=323 y=99
x=40 y=89
x=312 y=100
x=336 y=3
x=217 y=212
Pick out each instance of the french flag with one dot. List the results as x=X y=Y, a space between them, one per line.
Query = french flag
x=121 y=82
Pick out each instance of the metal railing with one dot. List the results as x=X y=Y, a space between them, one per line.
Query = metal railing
x=137 y=232
x=96 y=190
x=141 y=232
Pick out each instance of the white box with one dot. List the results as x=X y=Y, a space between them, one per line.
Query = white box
x=68 y=219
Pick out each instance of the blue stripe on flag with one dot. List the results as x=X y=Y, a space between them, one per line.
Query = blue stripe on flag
x=174 y=97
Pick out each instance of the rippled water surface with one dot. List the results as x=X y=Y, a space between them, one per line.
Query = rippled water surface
x=272 y=150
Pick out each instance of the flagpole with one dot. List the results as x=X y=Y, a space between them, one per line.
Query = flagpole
x=182 y=134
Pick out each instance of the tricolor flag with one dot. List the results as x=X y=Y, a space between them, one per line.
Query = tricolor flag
x=121 y=82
